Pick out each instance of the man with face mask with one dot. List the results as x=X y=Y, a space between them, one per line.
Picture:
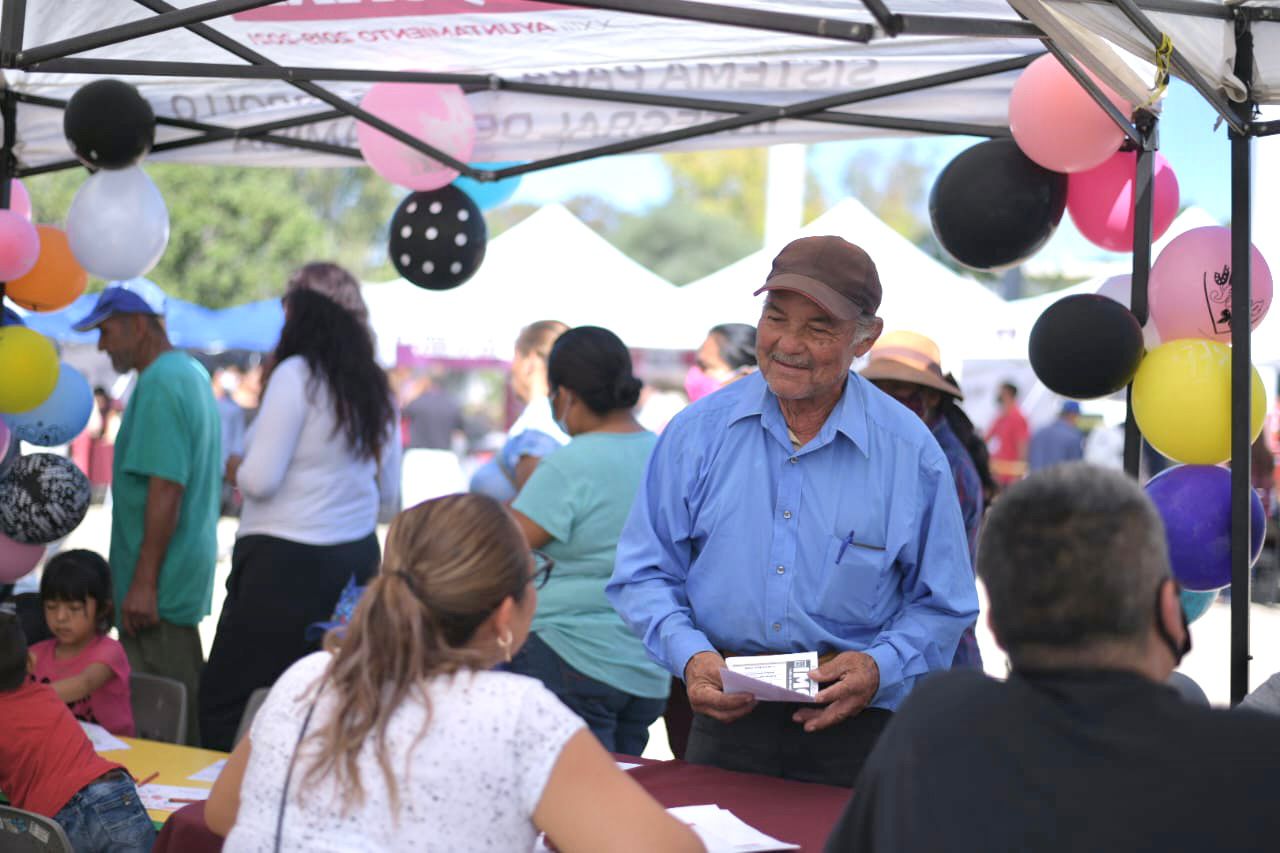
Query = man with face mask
x=1083 y=747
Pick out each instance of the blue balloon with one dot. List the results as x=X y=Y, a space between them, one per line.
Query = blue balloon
x=1196 y=604
x=9 y=317
x=61 y=417
x=489 y=194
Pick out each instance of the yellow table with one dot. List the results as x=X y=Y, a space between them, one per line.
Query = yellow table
x=174 y=764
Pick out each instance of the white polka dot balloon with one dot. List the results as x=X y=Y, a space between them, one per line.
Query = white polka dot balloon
x=437 y=238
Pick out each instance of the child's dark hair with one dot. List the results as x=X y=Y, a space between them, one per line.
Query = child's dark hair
x=13 y=653
x=79 y=575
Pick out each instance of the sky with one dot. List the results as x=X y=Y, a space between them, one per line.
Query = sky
x=1197 y=152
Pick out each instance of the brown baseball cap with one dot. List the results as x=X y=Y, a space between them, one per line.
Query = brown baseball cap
x=831 y=271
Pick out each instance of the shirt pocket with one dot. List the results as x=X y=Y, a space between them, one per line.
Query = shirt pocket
x=855 y=583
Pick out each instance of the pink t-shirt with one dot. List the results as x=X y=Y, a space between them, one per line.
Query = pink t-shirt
x=108 y=706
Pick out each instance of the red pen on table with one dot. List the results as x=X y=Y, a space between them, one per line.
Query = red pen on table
x=149 y=779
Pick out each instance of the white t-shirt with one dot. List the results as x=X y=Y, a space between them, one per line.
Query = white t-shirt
x=299 y=478
x=471 y=783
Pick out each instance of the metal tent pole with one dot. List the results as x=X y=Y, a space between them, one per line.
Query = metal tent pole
x=1241 y=370
x=1142 y=206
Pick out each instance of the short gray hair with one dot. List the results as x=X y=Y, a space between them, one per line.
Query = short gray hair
x=1072 y=558
x=866 y=327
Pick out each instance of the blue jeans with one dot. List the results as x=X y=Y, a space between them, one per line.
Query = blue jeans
x=106 y=816
x=620 y=721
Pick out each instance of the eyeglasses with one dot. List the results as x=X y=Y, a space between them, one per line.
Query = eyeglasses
x=542 y=566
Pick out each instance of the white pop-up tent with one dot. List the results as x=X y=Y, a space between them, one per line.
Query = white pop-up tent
x=920 y=293
x=246 y=81
x=550 y=266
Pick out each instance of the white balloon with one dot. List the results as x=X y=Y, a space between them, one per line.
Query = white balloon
x=118 y=225
x=1118 y=288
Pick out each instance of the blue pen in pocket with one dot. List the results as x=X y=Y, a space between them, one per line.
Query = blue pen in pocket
x=848 y=542
x=844 y=546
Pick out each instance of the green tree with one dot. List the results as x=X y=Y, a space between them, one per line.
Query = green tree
x=729 y=184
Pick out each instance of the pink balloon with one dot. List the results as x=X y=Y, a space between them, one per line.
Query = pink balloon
x=17 y=558
x=1057 y=123
x=1100 y=201
x=19 y=245
x=438 y=115
x=1190 y=288
x=19 y=199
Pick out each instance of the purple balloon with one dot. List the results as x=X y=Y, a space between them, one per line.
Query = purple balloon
x=1195 y=503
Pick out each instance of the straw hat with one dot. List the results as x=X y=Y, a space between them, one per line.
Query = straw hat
x=908 y=357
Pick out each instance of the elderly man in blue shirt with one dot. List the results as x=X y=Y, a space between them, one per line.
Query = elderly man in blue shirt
x=799 y=509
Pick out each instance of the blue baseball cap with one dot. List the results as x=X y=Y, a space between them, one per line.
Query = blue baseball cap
x=135 y=296
x=1071 y=407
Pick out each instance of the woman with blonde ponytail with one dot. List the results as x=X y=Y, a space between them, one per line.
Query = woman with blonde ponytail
x=399 y=736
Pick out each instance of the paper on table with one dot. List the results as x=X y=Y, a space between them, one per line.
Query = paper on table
x=210 y=773
x=102 y=740
x=168 y=798
x=772 y=678
x=721 y=831
x=622 y=765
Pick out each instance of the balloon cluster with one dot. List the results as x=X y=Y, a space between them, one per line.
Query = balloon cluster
x=998 y=203
x=437 y=235
x=118 y=225
x=42 y=402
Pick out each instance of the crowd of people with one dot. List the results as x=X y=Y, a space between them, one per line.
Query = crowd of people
x=595 y=575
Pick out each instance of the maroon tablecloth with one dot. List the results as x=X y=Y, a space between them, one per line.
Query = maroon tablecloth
x=789 y=811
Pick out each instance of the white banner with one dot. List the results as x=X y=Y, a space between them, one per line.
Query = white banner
x=519 y=41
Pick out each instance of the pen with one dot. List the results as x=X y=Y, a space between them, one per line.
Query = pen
x=844 y=546
x=149 y=778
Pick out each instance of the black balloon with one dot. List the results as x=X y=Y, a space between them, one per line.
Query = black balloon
x=1086 y=346
x=992 y=207
x=438 y=238
x=109 y=125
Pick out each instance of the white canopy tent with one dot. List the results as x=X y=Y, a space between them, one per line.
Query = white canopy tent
x=920 y=293
x=585 y=78
x=549 y=266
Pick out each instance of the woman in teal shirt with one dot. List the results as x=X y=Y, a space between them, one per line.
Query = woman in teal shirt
x=573 y=508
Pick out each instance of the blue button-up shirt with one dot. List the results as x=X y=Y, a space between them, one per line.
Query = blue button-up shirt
x=737 y=542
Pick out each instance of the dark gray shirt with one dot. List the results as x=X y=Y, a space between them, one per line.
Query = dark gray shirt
x=433 y=418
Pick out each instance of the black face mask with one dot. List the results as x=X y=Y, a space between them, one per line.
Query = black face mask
x=1178 y=651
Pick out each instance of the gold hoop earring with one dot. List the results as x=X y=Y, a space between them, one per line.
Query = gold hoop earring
x=504 y=643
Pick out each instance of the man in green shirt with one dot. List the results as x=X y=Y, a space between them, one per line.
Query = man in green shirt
x=165 y=489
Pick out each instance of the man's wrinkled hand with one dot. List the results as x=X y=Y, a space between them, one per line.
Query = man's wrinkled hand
x=706 y=690
x=139 y=610
x=853 y=679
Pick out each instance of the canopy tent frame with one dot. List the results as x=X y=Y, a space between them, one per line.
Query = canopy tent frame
x=1141 y=133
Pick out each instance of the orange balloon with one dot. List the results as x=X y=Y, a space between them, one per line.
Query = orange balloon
x=55 y=281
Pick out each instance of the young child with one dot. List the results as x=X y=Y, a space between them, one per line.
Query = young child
x=48 y=766
x=86 y=668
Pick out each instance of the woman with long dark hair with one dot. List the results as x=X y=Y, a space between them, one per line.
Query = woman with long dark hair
x=574 y=506
x=320 y=458
x=907 y=366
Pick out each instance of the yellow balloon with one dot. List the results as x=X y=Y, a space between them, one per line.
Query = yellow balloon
x=28 y=369
x=1182 y=401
